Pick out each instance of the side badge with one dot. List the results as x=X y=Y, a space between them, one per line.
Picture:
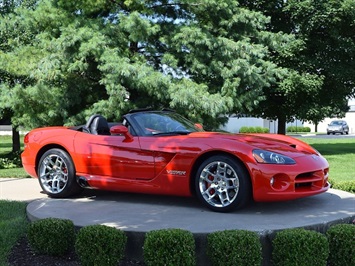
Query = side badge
x=176 y=172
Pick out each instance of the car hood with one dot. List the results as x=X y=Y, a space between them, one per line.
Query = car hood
x=272 y=142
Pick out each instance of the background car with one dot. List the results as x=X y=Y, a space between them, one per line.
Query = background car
x=161 y=152
x=338 y=126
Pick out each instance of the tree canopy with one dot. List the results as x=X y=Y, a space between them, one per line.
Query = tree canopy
x=69 y=59
x=322 y=58
x=61 y=61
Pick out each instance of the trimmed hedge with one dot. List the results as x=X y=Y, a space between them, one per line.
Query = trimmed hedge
x=51 y=236
x=103 y=245
x=254 y=130
x=100 y=245
x=341 y=240
x=169 y=247
x=300 y=247
x=298 y=129
x=234 y=247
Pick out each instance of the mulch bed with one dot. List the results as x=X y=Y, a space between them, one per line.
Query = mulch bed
x=22 y=255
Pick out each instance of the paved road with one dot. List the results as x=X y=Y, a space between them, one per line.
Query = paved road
x=325 y=136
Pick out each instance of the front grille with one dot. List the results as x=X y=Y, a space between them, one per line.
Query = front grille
x=311 y=180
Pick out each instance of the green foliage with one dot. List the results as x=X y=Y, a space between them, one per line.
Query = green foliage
x=169 y=247
x=245 y=129
x=6 y=163
x=13 y=225
x=234 y=247
x=340 y=154
x=262 y=130
x=100 y=245
x=298 y=129
x=11 y=160
x=348 y=186
x=341 y=240
x=69 y=59
x=300 y=247
x=320 y=61
x=51 y=236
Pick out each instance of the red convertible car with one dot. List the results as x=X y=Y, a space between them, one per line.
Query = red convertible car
x=161 y=152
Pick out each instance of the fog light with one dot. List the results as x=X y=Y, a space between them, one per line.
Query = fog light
x=272 y=180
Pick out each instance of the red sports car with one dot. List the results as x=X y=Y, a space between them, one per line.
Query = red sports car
x=161 y=152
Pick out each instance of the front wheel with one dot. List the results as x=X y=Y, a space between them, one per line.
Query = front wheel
x=222 y=184
x=56 y=174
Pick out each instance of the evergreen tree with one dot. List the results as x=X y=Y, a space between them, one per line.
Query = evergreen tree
x=73 y=58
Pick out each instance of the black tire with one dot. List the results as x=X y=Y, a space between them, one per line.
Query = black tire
x=56 y=174
x=222 y=184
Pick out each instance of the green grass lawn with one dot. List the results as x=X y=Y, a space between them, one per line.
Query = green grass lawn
x=340 y=153
x=13 y=225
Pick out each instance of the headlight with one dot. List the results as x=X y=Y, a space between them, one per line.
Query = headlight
x=262 y=156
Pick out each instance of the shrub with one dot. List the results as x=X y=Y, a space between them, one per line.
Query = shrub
x=169 y=247
x=298 y=129
x=234 y=247
x=261 y=130
x=341 y=240
x=348 y=186
x=300 y=247
x=243 y=130
x=253 y=130
x=100 y=245
x=12 y=160
x=51 y=236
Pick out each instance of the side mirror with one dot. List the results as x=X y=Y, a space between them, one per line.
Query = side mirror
x=121 y=130
x=198 y=126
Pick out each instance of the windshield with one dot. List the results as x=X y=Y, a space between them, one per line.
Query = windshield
x=164 y=123
x=336 y=123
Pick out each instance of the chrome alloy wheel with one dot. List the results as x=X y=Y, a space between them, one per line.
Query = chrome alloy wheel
x=219 y=184
x=53 y=174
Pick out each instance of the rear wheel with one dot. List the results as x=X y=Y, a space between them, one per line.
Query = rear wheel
x=56 y=174
x=222 y=184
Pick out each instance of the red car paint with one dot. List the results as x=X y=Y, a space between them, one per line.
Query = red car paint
x=167 y=164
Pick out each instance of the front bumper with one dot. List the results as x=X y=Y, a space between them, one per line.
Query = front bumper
x=309 y=176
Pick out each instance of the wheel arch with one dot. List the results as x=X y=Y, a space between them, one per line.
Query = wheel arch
x=206 y=155
x=45 y=149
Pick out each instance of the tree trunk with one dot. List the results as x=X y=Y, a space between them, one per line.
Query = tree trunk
x=16 y=146
x=316 y=127
x=281 y=125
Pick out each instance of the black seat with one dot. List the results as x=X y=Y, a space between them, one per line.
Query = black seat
x=98 y=125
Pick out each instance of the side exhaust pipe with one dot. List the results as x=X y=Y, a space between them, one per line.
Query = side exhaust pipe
x=82 y=182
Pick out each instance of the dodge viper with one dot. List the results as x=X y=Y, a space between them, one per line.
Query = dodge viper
x=161 y=152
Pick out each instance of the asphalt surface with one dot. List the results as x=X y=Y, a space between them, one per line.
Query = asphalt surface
x=137 y=214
